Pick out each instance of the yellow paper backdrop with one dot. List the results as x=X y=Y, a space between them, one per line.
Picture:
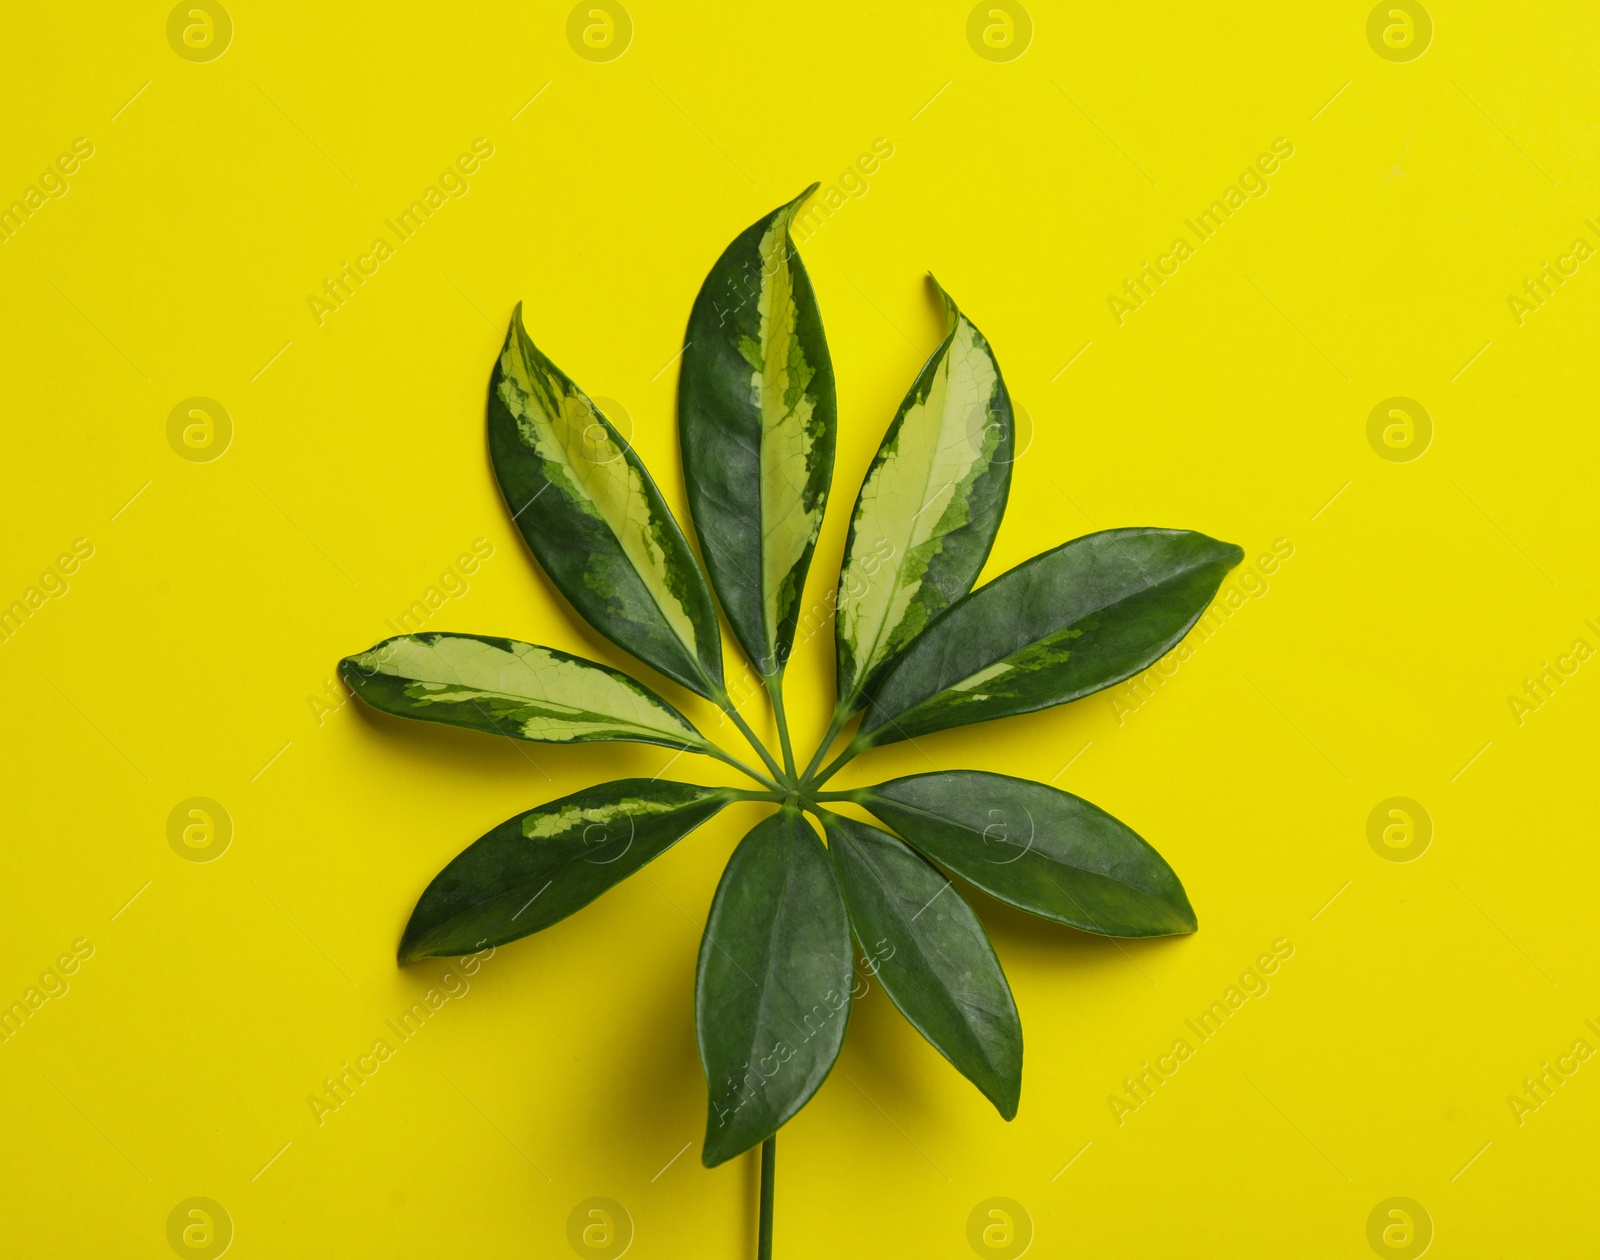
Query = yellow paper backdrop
x=1424 y=570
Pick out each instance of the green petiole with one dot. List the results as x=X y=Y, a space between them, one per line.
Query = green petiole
x=727 y=706
x=775 y=692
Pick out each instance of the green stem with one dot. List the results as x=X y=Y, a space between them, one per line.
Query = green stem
x=841 y=715
x=769 y=1172
x=711 y=750
x=775 y=690
x=832 y=796
x=837 y=764
x=744 y=729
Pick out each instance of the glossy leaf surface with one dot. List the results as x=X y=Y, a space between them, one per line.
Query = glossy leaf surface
x=511 y=688
x=538 y=867
x=756 y=422
x=1066 y=623
x=929 y=506
x=772 y=994
x=591 y=514
x=1036 y=848
x=932 y=956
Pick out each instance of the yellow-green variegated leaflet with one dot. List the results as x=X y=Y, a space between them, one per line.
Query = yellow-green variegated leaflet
x=756 y=419
x=930 y=504
x=512 y=688
x=560 y=424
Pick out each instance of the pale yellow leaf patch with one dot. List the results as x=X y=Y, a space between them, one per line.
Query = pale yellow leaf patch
x=565 y=699
x=788 y=527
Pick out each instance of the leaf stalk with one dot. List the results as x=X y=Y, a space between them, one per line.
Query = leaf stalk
x=712 y=750
x=841 y=716
x=852 y=750
x=769 y=1177
x=754 y=741
x=775 y=691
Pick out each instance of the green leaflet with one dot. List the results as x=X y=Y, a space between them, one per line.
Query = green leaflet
x=756 y=423
x=772 y=993
x=510 y=688
x=1064 y=624
x=932 y=957
x=538 y=867
x=929 y=506
x=591 y=514
x=1037 y=848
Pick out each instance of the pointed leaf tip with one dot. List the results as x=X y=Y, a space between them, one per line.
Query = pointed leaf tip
x=786 y=214
x=951 y=311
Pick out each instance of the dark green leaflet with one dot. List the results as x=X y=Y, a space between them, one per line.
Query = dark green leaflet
x=591 y=514
x=1037 y=848
x=927 y=948
x=1064 y=624
x=756 y=423
x=538 y=867
x=772 y=994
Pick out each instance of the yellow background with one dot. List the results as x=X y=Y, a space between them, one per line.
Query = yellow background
x=186 y=655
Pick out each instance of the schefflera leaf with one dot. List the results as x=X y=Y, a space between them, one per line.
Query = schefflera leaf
x=505 y=687
x=756 y=417
x=538 y=867
x=596 y=521
x=772 y=993
x=1060 y=626
x=929 y=506
x=932 y=957
x=1037 y=848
